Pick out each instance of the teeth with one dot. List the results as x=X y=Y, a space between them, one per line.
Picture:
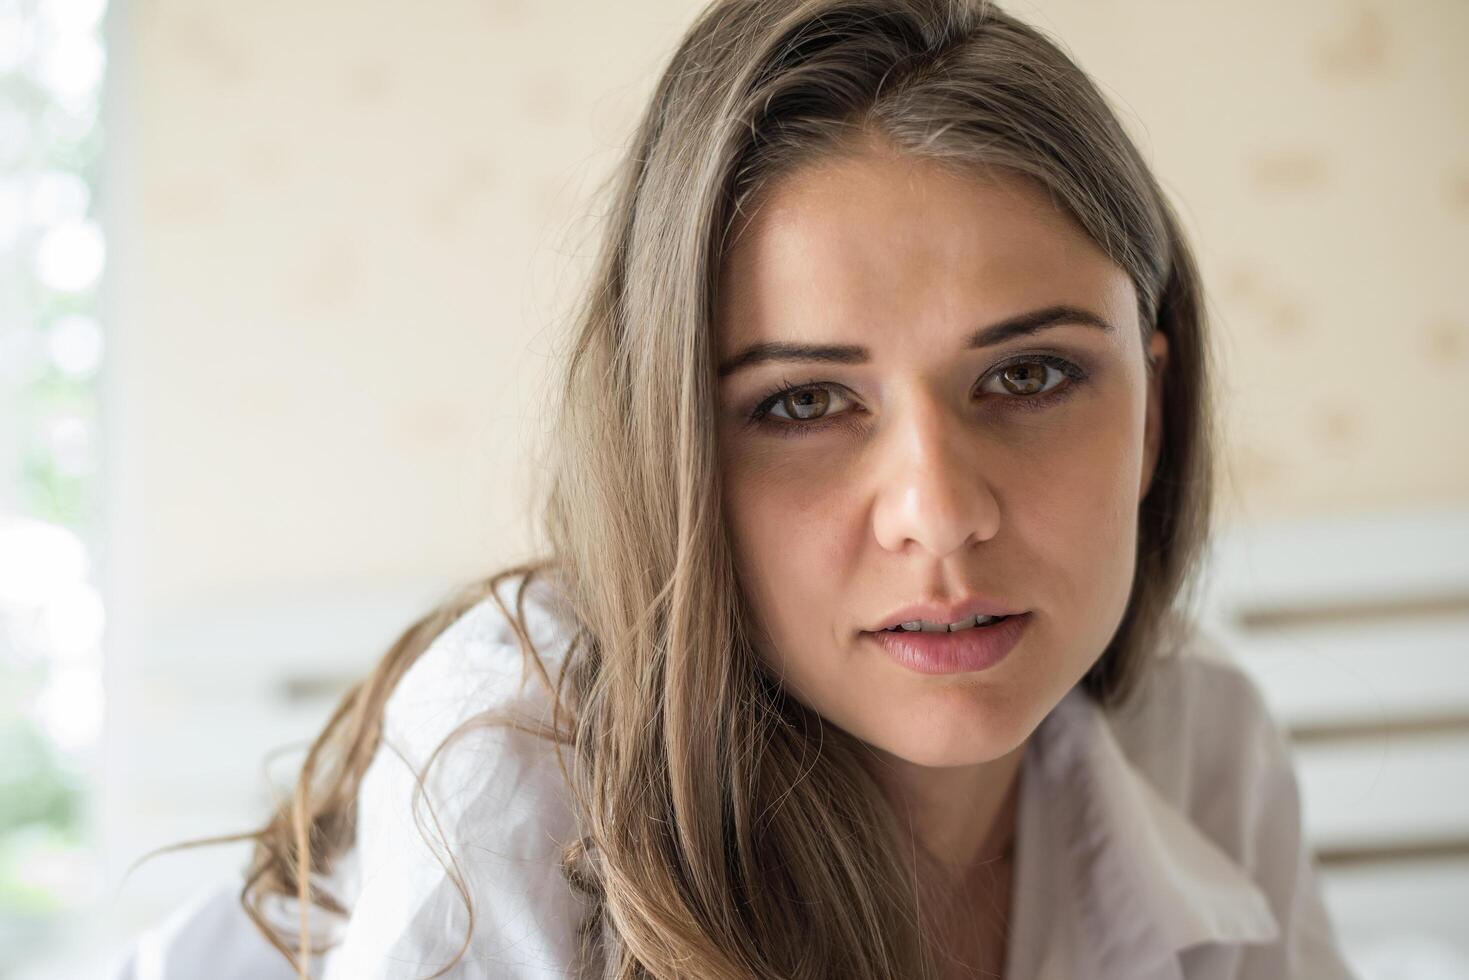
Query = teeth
x=917 y=625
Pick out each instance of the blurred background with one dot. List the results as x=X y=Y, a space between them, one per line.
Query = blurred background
x=281 y=287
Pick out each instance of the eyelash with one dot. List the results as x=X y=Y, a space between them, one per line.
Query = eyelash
x=1023 y=403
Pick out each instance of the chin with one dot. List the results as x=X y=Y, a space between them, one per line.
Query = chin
x=948 y=757
x=958 y=737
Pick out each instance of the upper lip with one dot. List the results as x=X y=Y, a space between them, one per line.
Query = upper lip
x=947 y=612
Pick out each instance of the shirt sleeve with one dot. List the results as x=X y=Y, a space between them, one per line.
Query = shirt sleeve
x=475 y=864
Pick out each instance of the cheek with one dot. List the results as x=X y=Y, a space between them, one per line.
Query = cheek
x=792 y=533
x=1078 y=511
x=782 y=499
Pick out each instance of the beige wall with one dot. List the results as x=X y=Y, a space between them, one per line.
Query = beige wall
x=1320 y=155
x=344 y=233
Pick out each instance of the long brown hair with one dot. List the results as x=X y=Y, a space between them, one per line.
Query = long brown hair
x=724 y=832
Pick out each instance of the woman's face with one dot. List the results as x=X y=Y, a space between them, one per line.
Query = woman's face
x=909 y=465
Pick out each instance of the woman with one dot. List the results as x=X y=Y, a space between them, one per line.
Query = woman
x=881 y=467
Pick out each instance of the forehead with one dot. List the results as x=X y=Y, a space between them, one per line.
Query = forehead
x=878 y=238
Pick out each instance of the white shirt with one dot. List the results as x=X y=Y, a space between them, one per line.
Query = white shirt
x=1162 y=842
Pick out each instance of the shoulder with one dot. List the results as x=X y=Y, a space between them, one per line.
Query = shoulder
x=477 y=664
x=479 y=653
x=461 y=817
x=1200 y=730
x=462 y=718
x=1194 y=702
x=456 y=835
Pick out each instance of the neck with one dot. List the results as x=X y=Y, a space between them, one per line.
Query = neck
x=963 y=823
x=963 y=817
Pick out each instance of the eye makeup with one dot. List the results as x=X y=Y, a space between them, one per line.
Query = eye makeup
x=1073 y=377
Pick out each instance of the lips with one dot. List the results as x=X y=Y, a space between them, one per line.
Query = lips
x=948 y=653
x=973 y=604
x=990 y=621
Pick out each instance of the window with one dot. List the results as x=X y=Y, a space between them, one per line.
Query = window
x=51 y=346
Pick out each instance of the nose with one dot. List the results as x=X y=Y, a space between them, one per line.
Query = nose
x=932 y=485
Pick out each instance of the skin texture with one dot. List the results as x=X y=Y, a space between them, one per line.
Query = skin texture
x=926 y=479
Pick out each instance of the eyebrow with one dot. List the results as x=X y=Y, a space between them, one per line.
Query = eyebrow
x=1021 y=325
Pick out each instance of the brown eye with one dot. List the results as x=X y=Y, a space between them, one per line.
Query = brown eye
x=1026 y=378
x=1025 y=382
x=806 y=403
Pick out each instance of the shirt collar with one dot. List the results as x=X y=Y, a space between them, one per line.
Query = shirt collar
x=1143 y=881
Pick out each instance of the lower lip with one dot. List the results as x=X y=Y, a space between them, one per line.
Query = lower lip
x=951 y=653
